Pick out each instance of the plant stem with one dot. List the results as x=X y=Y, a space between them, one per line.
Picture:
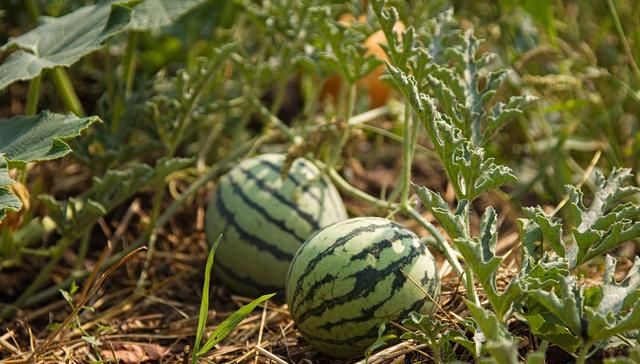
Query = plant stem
x=335 y=155
x=33 y=95
x=440 y=241
x=343 y=185
x=582 y=355
x=442 y=244
x=66 y=91
x=407 y=154
x=130 y=63
x=34 y=9
x=623 y=38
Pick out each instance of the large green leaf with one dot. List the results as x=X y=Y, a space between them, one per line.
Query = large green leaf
x=152 y=14
x=26 y=139
x=5 y=180
x=62 y=41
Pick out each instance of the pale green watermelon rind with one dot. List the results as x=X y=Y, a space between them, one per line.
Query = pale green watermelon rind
x=264 y=220
x=348 y=278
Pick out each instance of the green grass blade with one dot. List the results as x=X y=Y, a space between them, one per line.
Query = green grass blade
x=204 y=303
x=231 y=322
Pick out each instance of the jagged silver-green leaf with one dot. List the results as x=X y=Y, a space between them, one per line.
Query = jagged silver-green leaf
x=615 y=295
x=452 y=223
x=41 y=137
x=607 y=222
x=565 y=303
x=498 y=341
x=551 y=230
x=479 y=254
x=62 y=41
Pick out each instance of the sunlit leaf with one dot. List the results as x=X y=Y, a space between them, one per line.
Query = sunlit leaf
x=62 y=41
x=151 y=14
x=41 y=137
x=231 y=322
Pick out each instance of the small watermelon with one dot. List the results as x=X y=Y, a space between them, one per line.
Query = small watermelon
x=265 y=218
x=351 y=276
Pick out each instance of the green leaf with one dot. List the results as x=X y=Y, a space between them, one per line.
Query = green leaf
x=231 y=322
x=565 y=303
x=469 y=172
x=108 y=192
x=452 y=223
x=62 y=41
x=8 y=200
x=607 y=222
x=26 y=139
x=5 y=180
x=479 y=254
x=546 y=326
x=496 y=337
x=204 y=303
x=603 y=326
x=152 y=14
x=381 y=341
x=615 y=295
x=551 y=230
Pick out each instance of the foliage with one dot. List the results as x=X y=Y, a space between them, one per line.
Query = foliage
x=181 y=94
x=227 y=326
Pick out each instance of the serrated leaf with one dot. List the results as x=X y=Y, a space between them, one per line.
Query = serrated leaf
x=607 y=222
x=152 y=14
x=565 y=303
x=606 y=325
x=62 y=41
x=545 y=325
x=452 y=223
x=41 y=137
x=108 y=192
x=615 y=294
x=551 y=230
x=502 y=113
x=468 y=170
x=479 y=254
x=499 y=342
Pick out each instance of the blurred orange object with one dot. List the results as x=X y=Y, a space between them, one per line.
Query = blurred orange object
x=378 y=90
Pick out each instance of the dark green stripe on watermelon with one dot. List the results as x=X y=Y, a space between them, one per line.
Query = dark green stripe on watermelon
x=260 y=183
x=352 y=276
x=360 y=287
x=363 y=285
x=340 y=242
x=265 y=217
x=256 y=241
x=264 y=212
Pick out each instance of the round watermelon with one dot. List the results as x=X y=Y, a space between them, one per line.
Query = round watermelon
x=265 y=217
x=351 y=276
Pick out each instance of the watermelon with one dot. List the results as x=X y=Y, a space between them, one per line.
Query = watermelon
x=349 y=277
x=265 y=218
